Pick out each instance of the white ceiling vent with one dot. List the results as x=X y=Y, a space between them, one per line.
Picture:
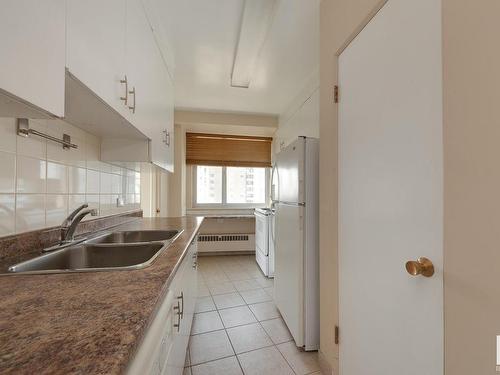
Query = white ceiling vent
x=255 y=25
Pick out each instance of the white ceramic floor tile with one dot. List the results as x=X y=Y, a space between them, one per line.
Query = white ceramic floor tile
x=255 y=296
x=302 y=362
x=204 y=304
x=237 y=316
x=264 y=361
x=221 y=288
x=238 y=275
x=270 y=291
x=248 y=337
x=242 y=285
x=203 y=291
x=225 y=366
x=255 y=272
x=224 y=301
x=265 y=310
x=209 y=346
x=277 y=330
x=219 y=279
x=265 y=282
x=206 y=322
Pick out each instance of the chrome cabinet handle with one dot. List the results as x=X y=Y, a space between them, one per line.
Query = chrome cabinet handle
x=167 y=137
x=178 y=324
x=195 y=261
x=132 y=92
x=181 y=297
x=125 y=82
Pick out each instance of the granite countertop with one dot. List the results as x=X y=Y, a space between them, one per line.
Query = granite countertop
x=85 y=323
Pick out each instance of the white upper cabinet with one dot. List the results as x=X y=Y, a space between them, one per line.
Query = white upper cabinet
x=33 y=52
x=151 y=96
x=112 y=50
x=96 y=48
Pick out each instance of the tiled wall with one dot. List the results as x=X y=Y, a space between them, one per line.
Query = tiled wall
x=40 y=182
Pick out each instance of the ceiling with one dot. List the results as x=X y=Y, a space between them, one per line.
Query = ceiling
x=204 y=35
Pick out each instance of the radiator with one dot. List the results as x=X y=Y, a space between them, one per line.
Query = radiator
x=226 y=242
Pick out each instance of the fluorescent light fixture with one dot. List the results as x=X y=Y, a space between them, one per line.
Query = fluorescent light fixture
x=255 y=25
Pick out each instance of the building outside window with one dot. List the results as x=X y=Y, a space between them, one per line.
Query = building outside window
x=230 y=186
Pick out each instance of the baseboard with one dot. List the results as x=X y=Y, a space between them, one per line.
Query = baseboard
x=216 y=253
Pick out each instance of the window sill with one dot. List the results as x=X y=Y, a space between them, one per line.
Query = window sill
x=221 y=212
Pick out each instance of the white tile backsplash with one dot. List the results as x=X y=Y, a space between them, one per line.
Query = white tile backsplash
x=56 y=209
x=31 y=175
x=7 y=213
x=8 y=134
x=30 y=212
x=7 y=172
x=40 y=182
x=57 y=178
x=106 y=183
x=93 y=183
x=77 y=180
x=33 y=146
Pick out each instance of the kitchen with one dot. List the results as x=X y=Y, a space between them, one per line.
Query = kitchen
x=249 y=187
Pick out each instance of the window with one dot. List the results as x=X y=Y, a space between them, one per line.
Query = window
x=208 y=185
x=230 y=186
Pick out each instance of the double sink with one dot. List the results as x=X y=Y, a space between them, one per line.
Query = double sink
x=126 y=250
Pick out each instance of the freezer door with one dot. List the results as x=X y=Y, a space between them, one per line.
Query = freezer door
x=290 y=173
x=289 y=268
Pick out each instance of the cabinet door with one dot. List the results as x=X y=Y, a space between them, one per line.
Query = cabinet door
x=152 y=87
x=33 y=45
x=177 y=355
x=162 y=145
x=96 y=48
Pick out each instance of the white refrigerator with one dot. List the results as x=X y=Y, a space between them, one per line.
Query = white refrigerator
x=295 y=197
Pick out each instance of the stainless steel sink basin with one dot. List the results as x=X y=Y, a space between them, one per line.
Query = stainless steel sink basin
x=92 y=257
x=136 y=236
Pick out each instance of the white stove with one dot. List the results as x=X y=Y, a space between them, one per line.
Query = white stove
x=264 y=240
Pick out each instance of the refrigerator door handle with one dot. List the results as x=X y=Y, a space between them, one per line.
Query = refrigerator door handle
x=273 y=186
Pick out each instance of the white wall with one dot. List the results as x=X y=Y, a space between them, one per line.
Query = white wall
x=40 y=183
x=300 y=119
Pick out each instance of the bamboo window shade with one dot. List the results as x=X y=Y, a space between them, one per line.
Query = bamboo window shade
x=228 y=150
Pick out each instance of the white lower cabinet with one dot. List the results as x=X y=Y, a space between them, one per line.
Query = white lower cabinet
x=163 y=350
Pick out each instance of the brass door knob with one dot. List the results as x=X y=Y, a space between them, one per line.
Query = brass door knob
x=422 y=266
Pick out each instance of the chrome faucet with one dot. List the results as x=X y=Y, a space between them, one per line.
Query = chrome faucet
x=68 y=227
x=68 y=231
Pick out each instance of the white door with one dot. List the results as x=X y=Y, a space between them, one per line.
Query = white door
x=391 y=193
